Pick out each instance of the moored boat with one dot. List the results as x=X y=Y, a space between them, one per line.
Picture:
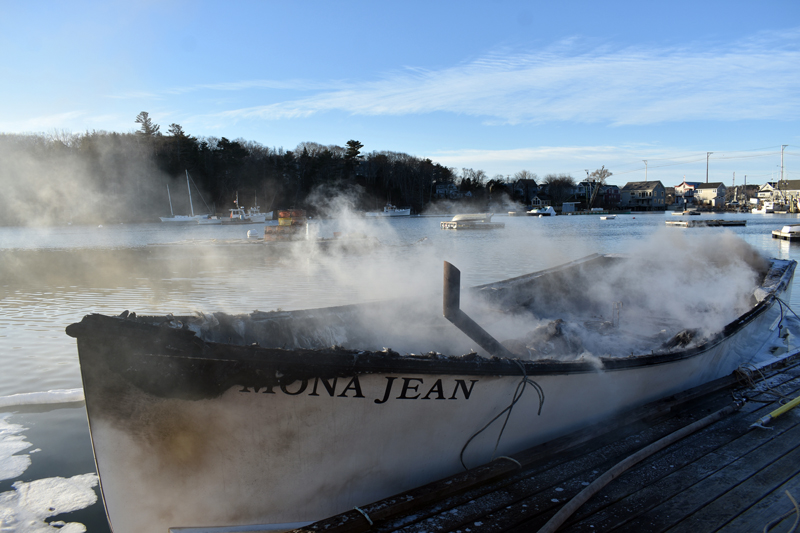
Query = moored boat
x=289 y=417
x=185 y=219
x=390 y=210
x=472 y=221
x=543 y=212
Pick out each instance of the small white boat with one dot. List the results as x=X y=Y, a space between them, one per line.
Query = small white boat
x=764 y=208
x=390 y=211
x=472 y=221
x=289 y=417
x=608 y=217
x=543 y=212
x=475 y=217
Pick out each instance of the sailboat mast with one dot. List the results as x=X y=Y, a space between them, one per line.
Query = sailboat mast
x=191 y=207
x=170 y=202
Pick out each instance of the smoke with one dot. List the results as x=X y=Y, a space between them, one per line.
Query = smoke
x=672 y=290
x=97 y=178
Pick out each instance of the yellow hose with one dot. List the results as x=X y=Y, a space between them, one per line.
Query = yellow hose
x=778 y=412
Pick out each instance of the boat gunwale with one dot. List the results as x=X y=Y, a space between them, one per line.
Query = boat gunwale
x=338 y=361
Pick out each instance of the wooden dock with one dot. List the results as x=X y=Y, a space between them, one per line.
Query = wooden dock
x=786 y=236
x=701 y=223
x=726 y=477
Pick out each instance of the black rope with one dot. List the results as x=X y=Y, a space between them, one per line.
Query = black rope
x=517 y=395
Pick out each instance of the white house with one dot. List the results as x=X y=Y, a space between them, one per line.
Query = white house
x=711 y=194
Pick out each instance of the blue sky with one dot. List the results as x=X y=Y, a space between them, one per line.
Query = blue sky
x=501 y=86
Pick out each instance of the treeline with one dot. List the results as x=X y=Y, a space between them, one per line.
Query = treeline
x=123 y=177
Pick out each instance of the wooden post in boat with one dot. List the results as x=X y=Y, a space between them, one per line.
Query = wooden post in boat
x=451 y=306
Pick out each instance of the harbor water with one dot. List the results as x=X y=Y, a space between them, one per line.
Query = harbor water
x=52 y=277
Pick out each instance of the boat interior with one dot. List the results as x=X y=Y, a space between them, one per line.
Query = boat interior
x=599 y=306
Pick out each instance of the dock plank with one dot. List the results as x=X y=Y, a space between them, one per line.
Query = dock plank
x=670 y=512
x=731 y=502
x=769 y=508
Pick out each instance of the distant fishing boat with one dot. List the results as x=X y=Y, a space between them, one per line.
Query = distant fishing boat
x=390 y=211
x=253 y=215
x=286 y=417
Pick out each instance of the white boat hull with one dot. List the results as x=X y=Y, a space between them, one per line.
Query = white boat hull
x=172 y=453
x=395 y=213
x=183 y=219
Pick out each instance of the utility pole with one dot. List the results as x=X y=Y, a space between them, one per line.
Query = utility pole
x=782 y=147
x=707 y=154
x=645 y=170
x=782 y=183
x=588 y=187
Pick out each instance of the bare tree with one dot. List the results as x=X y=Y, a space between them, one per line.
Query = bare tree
x=600 y=175
x=560 y=187
x=525 y=175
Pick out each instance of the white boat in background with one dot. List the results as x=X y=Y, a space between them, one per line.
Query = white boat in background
x=210 y=221
x=764 y=208
x=473 y=217
x=543 y=212
x=608 y=217
x=472 y=221
x=286 y=417
x=390 y=211
x=183 y=219
x=253 y=215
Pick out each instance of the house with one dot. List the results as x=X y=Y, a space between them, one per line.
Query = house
x=446 y=189
x=685 y=193
x=540 y=200
x=782 y=191
x=643 y=196
x=711 y=194
x=610 y=195
x=524 y=190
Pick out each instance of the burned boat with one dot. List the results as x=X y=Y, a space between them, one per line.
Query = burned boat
x=288 y=417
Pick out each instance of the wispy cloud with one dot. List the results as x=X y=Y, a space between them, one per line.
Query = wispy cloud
x=43 y=122
x=755 y=78
x=244 y=85
x=626 y=161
